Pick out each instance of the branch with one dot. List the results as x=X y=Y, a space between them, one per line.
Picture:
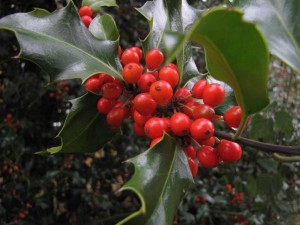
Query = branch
x=291 y=150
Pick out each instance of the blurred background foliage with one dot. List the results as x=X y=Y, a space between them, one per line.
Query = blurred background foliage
x=83 y=188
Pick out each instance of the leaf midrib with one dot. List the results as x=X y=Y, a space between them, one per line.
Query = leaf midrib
x=28 y=32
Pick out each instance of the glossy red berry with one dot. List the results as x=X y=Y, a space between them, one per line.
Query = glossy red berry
x=104 y=105
x=111 y=91
x=145 y=81
x=155 y=141
x=115 y=117
x=233 y=116
x=140 y=119
x=129 y=56
x=155 y=127
x=209 y=142
x=203 y=111
x=132 y=73
x=208 y=157
x=138 y=51
x=93 y=84
x=183 y=95
x=105 y=78
x=85 y=11
x=193 y=167
x=213 y=94
x=170 y=75
x=138 y=130
x=154 y=58
x=144 y=104
x=202 y=129
x=180 y=124
x=198 y=88
x=167 y=120
x=190 y=151
x=188 y=109
x=86 y=20
x=161 y=91
x=229 y=151
x=173 y=66
x=229 y=188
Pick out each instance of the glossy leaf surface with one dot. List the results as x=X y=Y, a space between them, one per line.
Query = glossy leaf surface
x=85 y=129
x=279 y=21
x=169 y=16
x=236 y=53
x=61 y=45
x=104 y=28
x=97 y=4
x=161 y=178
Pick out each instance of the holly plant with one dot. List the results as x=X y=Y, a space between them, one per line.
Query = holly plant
x=157 y=88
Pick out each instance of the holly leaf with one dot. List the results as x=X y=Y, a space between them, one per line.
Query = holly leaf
x=165 y=17
x=61 y=44
x=97 y=4
x=85 y=129
x=104 y=28
x=161 y=179
x=279 y=21
x=232 y=49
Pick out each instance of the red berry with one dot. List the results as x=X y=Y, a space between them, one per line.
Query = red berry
x=208 y=157
x=180 y=124
x=229 y=188
x=132 y=73
x=233 y=116
x=183 y=95
x=161 y=91
x=209 y=142
x=229 y=151
x=202 y=129
x=111 y=91
x=213 y=94
x=190 y=151
x=140 y=119
x=154 y=58
x=144 y=104
x=104 y=105
x=155 y=127
x=85 y=11
x=130 y=56
x=93 y=84
x=86 y=20
x=105 y=78
x=115 y=117
x=198 y=88
x=170 y=75
x=173 y=66
x=138 y=51
x=203 y=111
x=155 y=141
x=168 y=124
x=145 y=81
x=193 y=167
x=138 y=130
x=188 y=109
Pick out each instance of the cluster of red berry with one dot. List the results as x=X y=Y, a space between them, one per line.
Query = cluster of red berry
x=151 y=96
x=12 y=122
x=237 y=198
x=9 y=167
x=62 y=87
x=86 y=14
x=22 y=214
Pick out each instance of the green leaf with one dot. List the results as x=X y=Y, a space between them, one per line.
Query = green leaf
x=85 y=129
x=166 y=17
x=236 y=53
x=97 y=4
x=279 y=21
x=61 y=45
x=261 y=128
x=269 y=184
x=104 y=28
x=284 y=122
x=161 y=179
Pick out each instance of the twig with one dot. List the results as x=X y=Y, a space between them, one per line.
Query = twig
x=291 y=150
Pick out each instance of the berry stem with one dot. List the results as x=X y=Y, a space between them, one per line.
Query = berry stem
x=291 y=150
